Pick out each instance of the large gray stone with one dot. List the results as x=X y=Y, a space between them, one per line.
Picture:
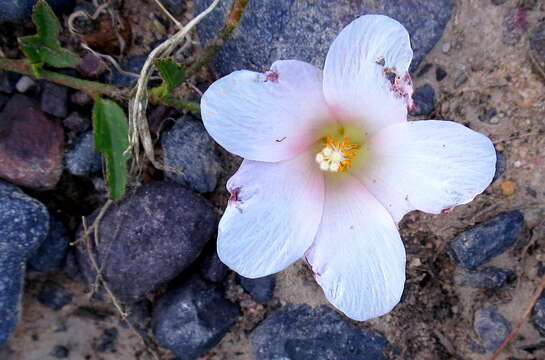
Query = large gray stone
x=149 y=238
x=303 y=29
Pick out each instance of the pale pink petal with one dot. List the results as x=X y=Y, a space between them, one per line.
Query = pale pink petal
x=428 y=165
x=358 y=64
x=272 y=216
x=266 y=117
x=358 y=257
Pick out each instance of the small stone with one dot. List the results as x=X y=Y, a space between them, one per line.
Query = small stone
x=481 y=243
x=8 y=81
x=81 y=159
x=19 y=11
x=260 y=289
x=212 y=269
x=91 y=66
x=538 y=316
x=192 y=319
x=188 y=148
x=60 y=352
x=424 y=70
x=515 y=25
x=176 y=7
x=24 y=84
x=107 y=340
x=55 y=99
x=507 y=188
x=498 y=2
x=31 y=145
x=51 y=254
x=517 y=163
x=537 y=49
x=24 y=224
x=424 y=100
x=132 y=64
x=460 y=79
x=76 y=122
x=300 y=332
x=303 y=30
x=486 y=278
x=446 y=47
x=440 y=73
x=80 y=98
x=491 y=327
x=54 y=295
x=149 y=238
x=488 y=114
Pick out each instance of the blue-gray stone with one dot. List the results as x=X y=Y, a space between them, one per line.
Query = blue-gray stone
x=54 y=295
x=81 y=159
x=501 y=165
x=297 y=332
x=538 y=316
x=54 y=99
x=192 y=318
x=491 y=327
x=212 y=269
x=18 y=11
x=51 y=254
x=188 y=148
x=481 y=243
x=486 y=278
x=260 y=289
x=304 y=30
x=132 y=64
x=424 y=100
x=24 y=224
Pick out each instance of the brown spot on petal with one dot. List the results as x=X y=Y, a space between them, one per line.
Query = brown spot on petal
x=271 y=75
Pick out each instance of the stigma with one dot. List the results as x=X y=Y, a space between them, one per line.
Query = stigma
x=336 y=156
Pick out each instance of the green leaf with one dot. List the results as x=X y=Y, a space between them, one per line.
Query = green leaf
x=173 y=74
x=43 y=47
x=112 y=139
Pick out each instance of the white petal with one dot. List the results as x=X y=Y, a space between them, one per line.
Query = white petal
x=358 y=257
x=273 y=215
x=355 y=82
x=428 y=165
x=266 y=117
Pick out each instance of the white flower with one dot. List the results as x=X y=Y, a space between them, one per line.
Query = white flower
x=332 y=165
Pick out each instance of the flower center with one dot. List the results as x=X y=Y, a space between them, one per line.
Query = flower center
x=336 y=156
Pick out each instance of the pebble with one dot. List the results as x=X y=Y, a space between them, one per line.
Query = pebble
x=507 y=188
x=175 y=7
x=80 y=98
x=24 y=225
x=60 y=352
x=538 y=316
x=446 y=47
x=300 y=332
x=424 y=100
x=486 y=278
x=8 y=81
x=24 y=84
x=54 y=295
x=491 y=327
x=191 y=319
x=55 y=100
x=424 y=70
x=51 y=255
x=261 y=289
x=149 y=238
x=80 y=158
x=19 y=11
x=481 y=243
x=32 y=149
x=76 y=122
x=91 y=66
x=132 y=64
x=107 y=340
x=537 y=49
x=188 y=148
x=212 y=269
x=440 y=73
x=460 y=79
x=291 y=29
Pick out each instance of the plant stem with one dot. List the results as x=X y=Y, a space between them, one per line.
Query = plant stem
x=92 y=88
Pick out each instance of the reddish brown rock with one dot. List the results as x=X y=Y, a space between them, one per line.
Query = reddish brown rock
x=31 y=145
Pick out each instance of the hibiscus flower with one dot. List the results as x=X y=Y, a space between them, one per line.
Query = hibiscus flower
x=331 y=165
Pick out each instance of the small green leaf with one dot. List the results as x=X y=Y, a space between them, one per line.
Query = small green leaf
x=112 y=139
x=172 y=73
x=43 y=47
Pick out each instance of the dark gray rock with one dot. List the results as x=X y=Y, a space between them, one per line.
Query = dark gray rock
x=192 y=318
x=303 y=30
x=261 y=289
x=188 y=148
x=440 y=73
x=424 y=100
x=76 y=122
x=537 y=48
x=55 y=99
x=481 y=243
x=491 y=327
x=486 y=278
x=297 y=332
x=107 y=342
x=8 y=80
x=132 y=64
x=81 y=159
x=24 y=224
x=54 y=295
x=176 y=7
x=19 y=11
x=51 y=254
x=212 y=269
x=60 y=352
x=149 y=238
x=538 y=316
x=501 y=165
